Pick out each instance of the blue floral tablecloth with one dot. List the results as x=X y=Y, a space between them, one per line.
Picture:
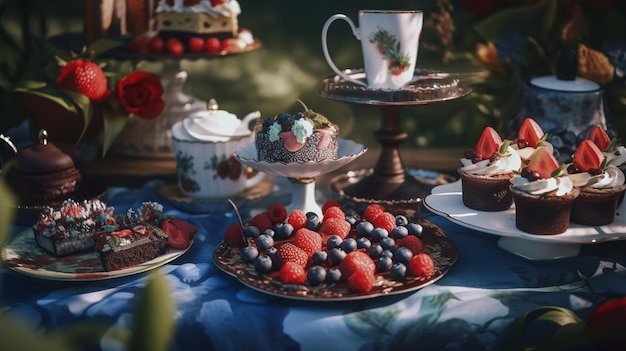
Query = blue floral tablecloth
x=470 y=308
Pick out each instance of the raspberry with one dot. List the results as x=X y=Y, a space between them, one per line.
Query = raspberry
x=292 y=273
x=289 y=252
x=174 y=46
x=234 y=235
x=334 y=212
x=357 y=261
x=262 y=221
x=386 y=221
x=330 y=203
x=421 y=265
x=213 y=45
x=361 y=282
x=308 y=240
x=297 y=218
x=335 y=226
x=277 y=213
x=195 y=44
x=412 y=242
x=372 y=211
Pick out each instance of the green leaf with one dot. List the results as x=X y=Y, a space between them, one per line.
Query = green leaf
x=154 y=316
x=114 y=122
x=84 y=104
x=101 y=46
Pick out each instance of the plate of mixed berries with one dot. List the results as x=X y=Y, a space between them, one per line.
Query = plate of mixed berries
x=356 y=252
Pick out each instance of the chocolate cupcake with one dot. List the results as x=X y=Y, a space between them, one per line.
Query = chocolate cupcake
x=544 y=214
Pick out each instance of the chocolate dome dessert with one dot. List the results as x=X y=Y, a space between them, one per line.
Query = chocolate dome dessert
x=44 y=174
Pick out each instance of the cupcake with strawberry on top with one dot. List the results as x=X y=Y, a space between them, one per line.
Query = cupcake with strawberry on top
x=543 y=195
x=486 y=171
x=615 y=154
x=601 y=185
x=530 y=137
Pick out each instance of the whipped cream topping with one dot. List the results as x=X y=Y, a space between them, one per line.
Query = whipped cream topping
x=526 y=152
x=617 y=156
x=611 y=177
x=559 y=185
x=506 y=164
x=228 y=8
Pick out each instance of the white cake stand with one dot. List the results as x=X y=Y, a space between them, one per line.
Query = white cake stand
x=302 y=175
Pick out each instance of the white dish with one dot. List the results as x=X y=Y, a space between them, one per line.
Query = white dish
x=446 y=200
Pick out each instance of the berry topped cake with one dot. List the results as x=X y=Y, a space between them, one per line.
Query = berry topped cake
x=486 y=171
x=601 y=185
x=543 y=195
x=203 y=18
x=304 y=137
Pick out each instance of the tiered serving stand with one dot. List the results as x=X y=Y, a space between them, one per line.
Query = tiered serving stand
x=389 y=182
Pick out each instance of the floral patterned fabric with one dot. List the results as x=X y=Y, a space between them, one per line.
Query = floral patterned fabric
x=470 y=308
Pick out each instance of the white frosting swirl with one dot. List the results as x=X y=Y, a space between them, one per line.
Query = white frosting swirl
x=611 y=177
x=228 y=8
x=617 y=156
x=526 y=152
x=302 y=129
x=560 y=185
x=275 y=129
x=505 y=164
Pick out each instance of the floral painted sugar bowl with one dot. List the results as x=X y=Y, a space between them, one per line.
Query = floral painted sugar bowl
x=204 y=144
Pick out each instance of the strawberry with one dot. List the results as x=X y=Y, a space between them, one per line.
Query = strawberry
x=357 y=261
x=138 y=45
x=195 y=44
x=372 y=211
x=421 y=265
x=262 y=221
x=308 y=240
x=187 y=228
x=361 y=282
x=488 y=143
x=599 y=137
x=290 y=142
x=386 y=221
x=297 y=218
x=412 y=242
x=335 y=226
x=156 y=45
x=334 y=212
x=84 y=77
x=292 y=273
x=175 y=237
x=543 y=162
x=174 y=46
x=328 y=204
x=277 y=213
x=587 y=156
x=530 y=133
x=212 y=45
x=289 y=252
x=234 y=236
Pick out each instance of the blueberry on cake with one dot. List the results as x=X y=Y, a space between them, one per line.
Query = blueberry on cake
x=70 y=227
x=303 y=137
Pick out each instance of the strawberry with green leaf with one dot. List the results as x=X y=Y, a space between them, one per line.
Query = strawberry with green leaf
x=541 y=165
x=488 y=143
x=84 y=77
x=530 y=134
x=587 y=157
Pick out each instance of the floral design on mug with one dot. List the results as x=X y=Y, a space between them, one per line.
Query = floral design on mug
x=185 y=172
x=391 y=50
x=225 y=167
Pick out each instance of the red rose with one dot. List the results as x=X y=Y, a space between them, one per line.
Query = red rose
x=141 y=93
x=610 y=316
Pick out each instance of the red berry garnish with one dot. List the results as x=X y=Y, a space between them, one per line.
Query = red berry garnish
x=174 y=46
x=156 y=45
x=212 y=45
x=334 y=212
x=328 y=204
x=412 y=242
x=308 y=240
x=289 y=252
x=195 y=44
x=262 y=221
x=421 y=265
x=292 y=273
x=385 y=220
x=277 y=213
x=234 y=236
x=335 y=226
x=372 y=211
x=297 y=218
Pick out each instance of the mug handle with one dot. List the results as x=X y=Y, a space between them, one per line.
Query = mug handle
x=355 y=32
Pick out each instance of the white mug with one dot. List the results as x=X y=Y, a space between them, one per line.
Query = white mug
x=389 y=41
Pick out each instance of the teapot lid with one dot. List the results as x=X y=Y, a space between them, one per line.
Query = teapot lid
x=44 y=157
x=578 y=85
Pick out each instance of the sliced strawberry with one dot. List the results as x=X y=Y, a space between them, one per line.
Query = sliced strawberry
x=587 y=156
x=488 y=143
x=290 y=142
x=176 y=238
x=187 y=228
x=543 y=162
x=599 y=137
x=530 y=132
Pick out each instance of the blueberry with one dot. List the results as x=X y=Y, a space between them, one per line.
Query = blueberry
x=264 y=242
x=387 y=252
x=336 y=255
x=263 y=264
x=313 y=221
x=267 y=123
x=251 y=231
x=286 y=121
x=364 y=228
x=298 y=116
x=316 y=275
x=248 y=254
x=379 y=234
x=401 y=220
x=349 y=245
x=363 y=243
x=333 y=275
x=388 y=243
x=353 y=220
x=402 y=255
x=397 y=271
x=333 y=241
x=383 y=264
x=269 y=232
x=283 y=230
x=272 y=253
x=375 y=251
x=399 y=232
x=415 y=229
x=319 y=257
